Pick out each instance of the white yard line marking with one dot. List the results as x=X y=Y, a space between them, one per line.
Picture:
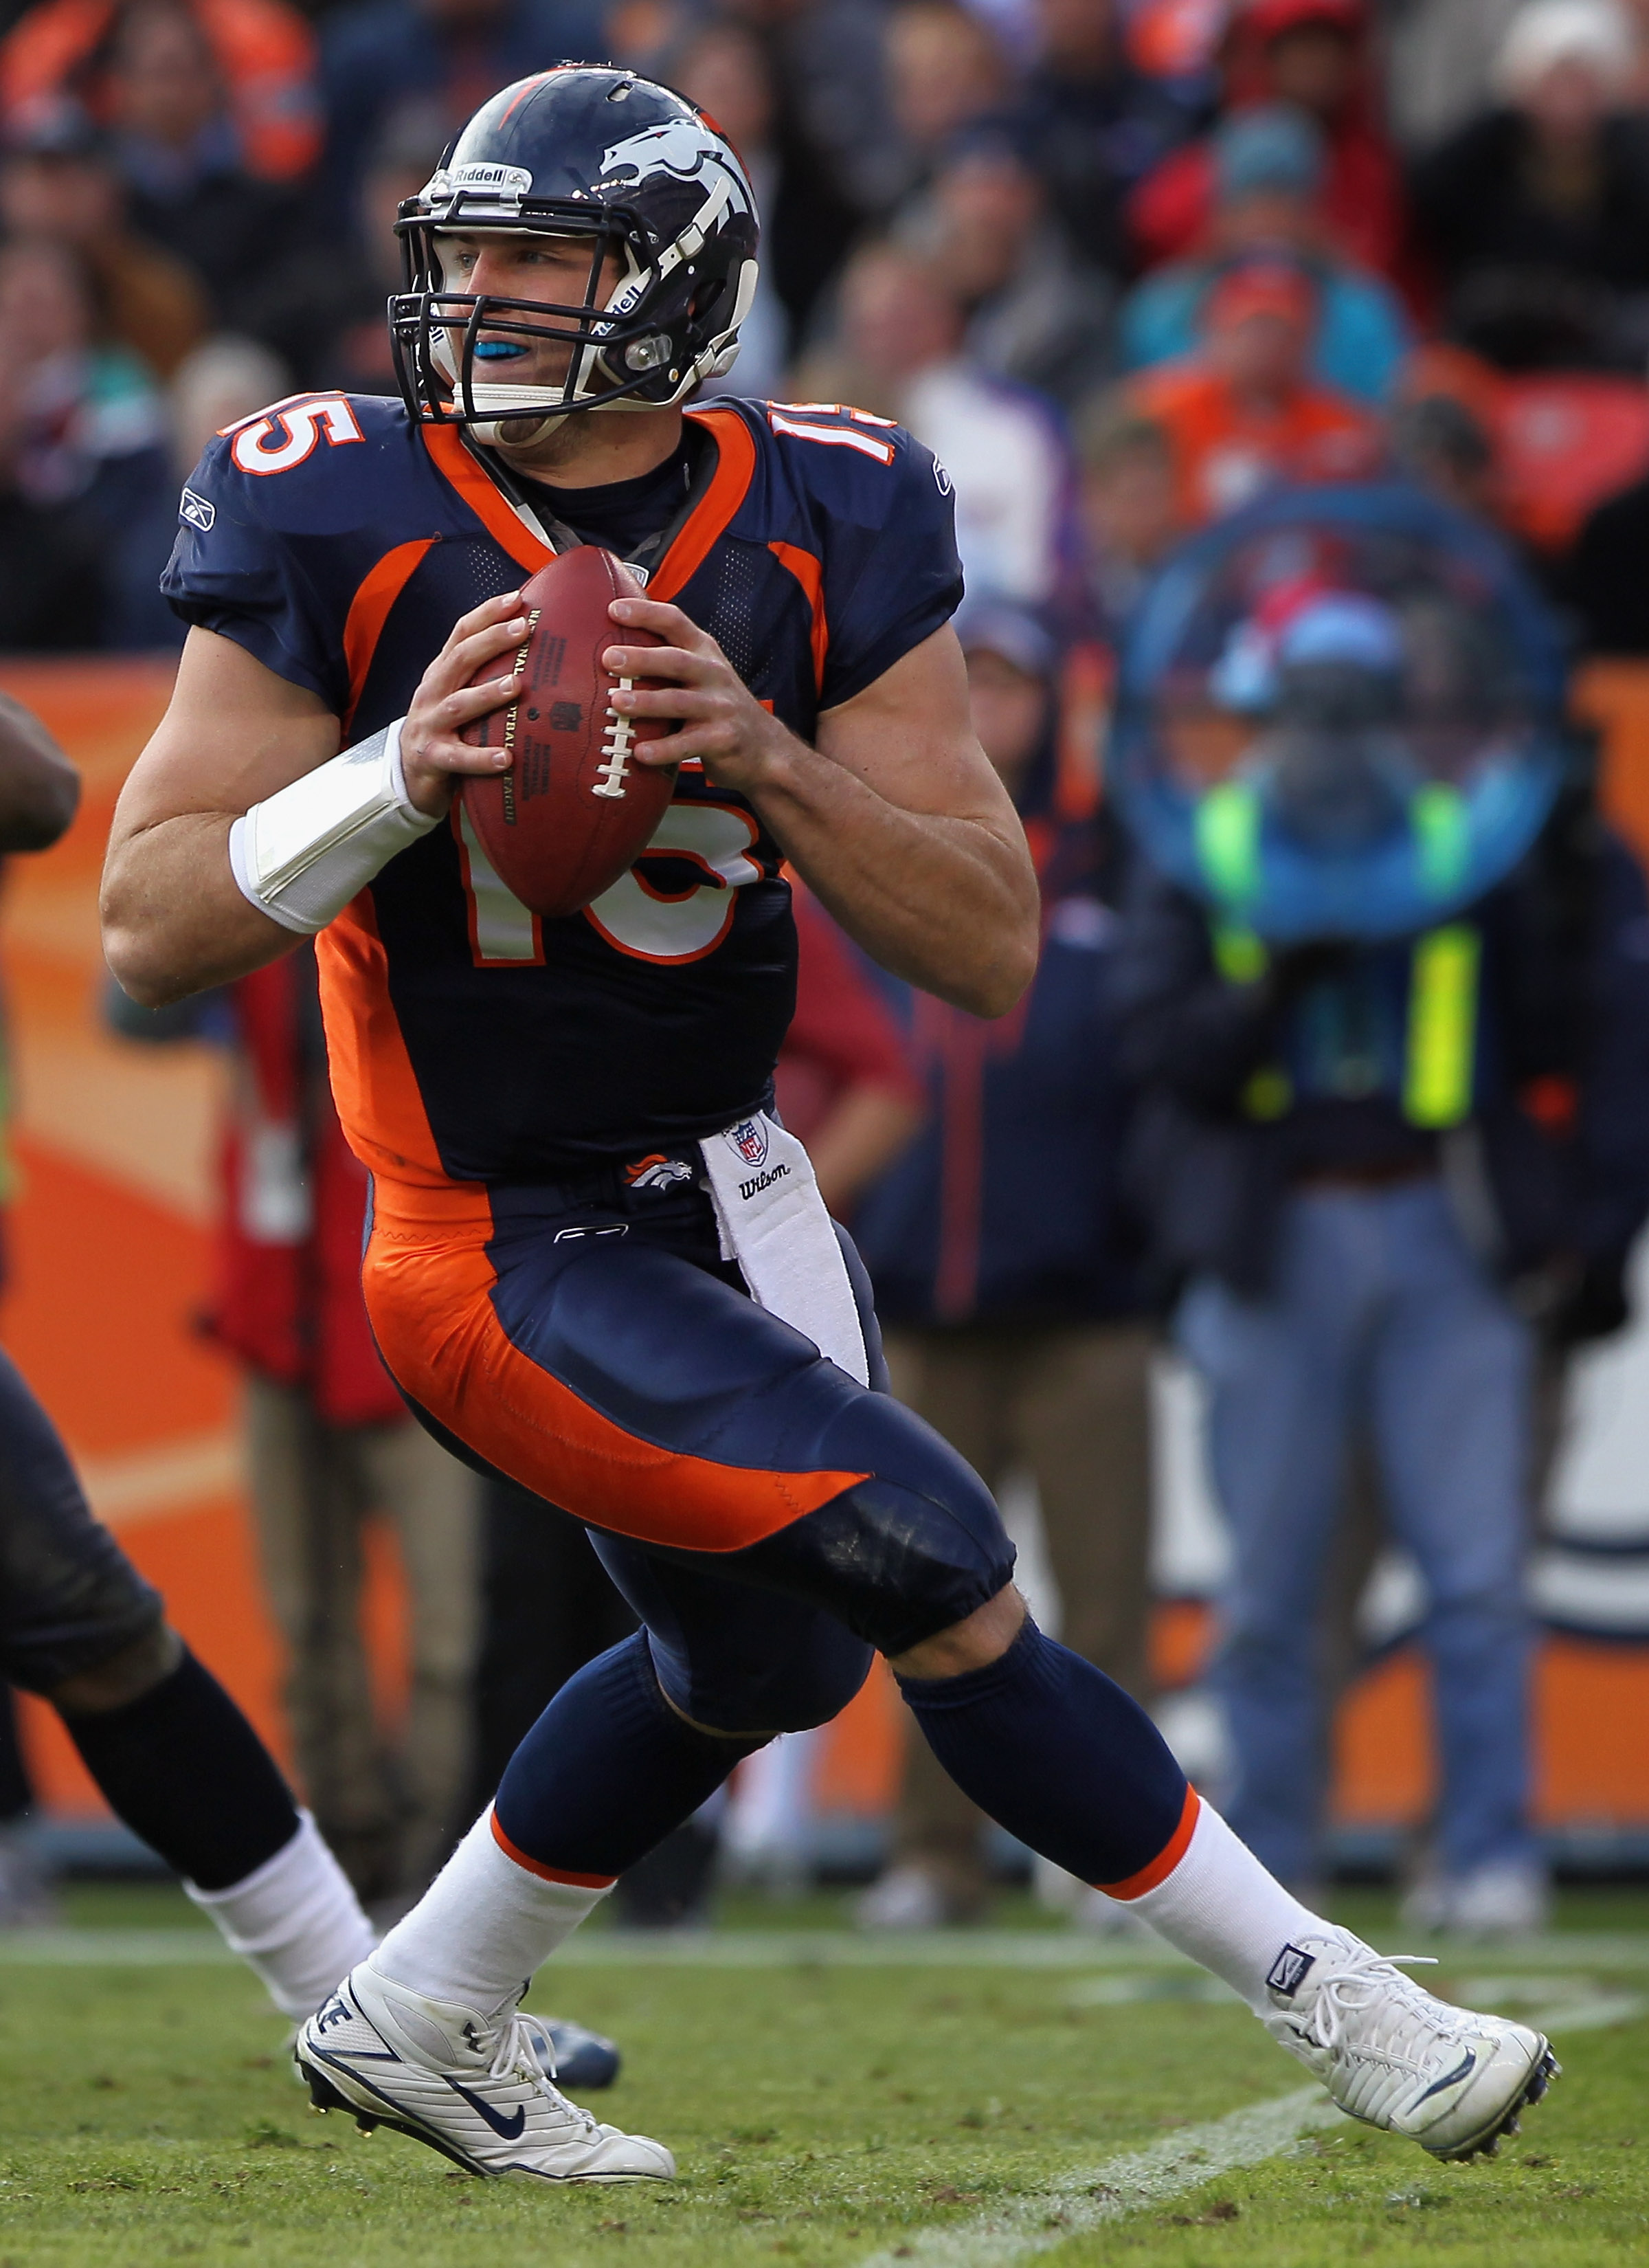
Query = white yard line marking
x=1028 y=1948
x=1141 y=1969
x=112 y=1948
x=1091 y=2196
x=1596 y=2013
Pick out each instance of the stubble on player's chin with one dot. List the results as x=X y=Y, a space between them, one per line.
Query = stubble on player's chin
x=546 y=448
x=570 y=440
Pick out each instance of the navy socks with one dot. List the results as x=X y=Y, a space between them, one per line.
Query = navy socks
x=1042 y=1740
x=608 y=1769
x=183 y=1768
x=1059 y=1755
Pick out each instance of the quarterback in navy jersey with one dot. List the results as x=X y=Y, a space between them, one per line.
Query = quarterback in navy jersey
x=597 y=1262
x=336 y=539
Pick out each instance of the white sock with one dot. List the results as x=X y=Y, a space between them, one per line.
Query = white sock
x=483 y=1925
x=295 y=1921
x=1221 y=1907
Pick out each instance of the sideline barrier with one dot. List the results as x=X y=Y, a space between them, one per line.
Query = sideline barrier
x=109 y=1239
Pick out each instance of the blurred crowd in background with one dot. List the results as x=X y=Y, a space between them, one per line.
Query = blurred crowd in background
x=1124 y=267
x=1043 y=233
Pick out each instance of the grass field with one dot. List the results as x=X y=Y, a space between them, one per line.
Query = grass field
x=1017 y=2099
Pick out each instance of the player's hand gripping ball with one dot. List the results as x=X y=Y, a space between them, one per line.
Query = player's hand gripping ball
x=574 y=811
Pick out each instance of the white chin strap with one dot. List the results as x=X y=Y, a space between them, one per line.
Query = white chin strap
x=490 y=430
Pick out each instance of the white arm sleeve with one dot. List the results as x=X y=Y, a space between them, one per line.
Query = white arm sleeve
x=302 y=855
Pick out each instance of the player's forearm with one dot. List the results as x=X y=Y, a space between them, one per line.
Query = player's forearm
x=948 y=904
x=174 y=921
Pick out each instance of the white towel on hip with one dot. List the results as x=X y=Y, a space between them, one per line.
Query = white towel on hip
x=773 y=1222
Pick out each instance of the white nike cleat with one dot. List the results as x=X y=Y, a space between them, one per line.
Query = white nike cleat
x=473 y=2087
x=1391 y=2054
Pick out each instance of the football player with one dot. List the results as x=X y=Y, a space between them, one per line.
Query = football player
x=597 y=1263
x=175 y=1757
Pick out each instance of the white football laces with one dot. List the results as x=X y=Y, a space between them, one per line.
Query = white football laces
x=616 y=743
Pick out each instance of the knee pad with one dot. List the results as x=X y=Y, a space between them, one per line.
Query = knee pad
x=730 y=1656
x=915 y=1547
x=806 y=1678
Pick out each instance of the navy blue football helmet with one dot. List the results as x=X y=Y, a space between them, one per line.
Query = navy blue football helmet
x=591 y=153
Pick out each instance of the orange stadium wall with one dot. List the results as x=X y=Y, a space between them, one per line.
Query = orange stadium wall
x=108 y=1239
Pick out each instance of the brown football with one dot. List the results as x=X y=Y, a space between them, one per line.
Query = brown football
x=575 y=810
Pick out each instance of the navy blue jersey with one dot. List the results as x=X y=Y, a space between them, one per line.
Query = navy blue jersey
x=338 y=543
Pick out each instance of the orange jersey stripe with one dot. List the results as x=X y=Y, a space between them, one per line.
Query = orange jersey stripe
x=729 y=485
x=1165 y=1860
x=484 y=498
x=809 y=572
x=428 y=1281
x=369 y=611
x=727 y=490
x=374 y=1083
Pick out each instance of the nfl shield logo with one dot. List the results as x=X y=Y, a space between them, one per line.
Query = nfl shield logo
x=750 y=1139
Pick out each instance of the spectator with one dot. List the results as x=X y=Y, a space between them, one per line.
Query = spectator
x=260 y=53
x=1244 y=414
x=1298 y=1177
x=1442 y=445
x=1129 y=507
x=1440 y=60
x=1269 y=181
x=1536 y=213
x=330 y=1445
x=724 y=69
x=56 y=183
x=53 y=592
x=1606 y=578
x=176 y=137
x=831 y=60
x=1098 y=125
x=1034 y=312
x=1003 y=1258
x=943 y=71
x=1313 y=55
x=326 y=320
x=226 y=379
x=378 y=55
x=807 y=223
x=896 y=351
x=90 y=434
x=843 y=1086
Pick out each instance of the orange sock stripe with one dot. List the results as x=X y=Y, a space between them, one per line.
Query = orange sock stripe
x=1165 y=1860
x=549 y=1873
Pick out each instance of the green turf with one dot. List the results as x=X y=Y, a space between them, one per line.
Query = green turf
x=145 y=2116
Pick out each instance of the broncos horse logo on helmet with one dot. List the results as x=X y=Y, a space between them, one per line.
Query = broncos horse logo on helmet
x=598 y=154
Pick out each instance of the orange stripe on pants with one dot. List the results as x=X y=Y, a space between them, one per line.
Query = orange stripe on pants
x=429 y=1279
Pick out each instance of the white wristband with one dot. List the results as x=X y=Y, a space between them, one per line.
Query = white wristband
x=302 y=855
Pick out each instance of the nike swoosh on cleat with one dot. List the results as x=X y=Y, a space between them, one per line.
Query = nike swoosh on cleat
x=508 y=2129
x=1464 y=2069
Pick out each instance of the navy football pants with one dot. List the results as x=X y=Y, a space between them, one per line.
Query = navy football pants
x=770 y=1521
